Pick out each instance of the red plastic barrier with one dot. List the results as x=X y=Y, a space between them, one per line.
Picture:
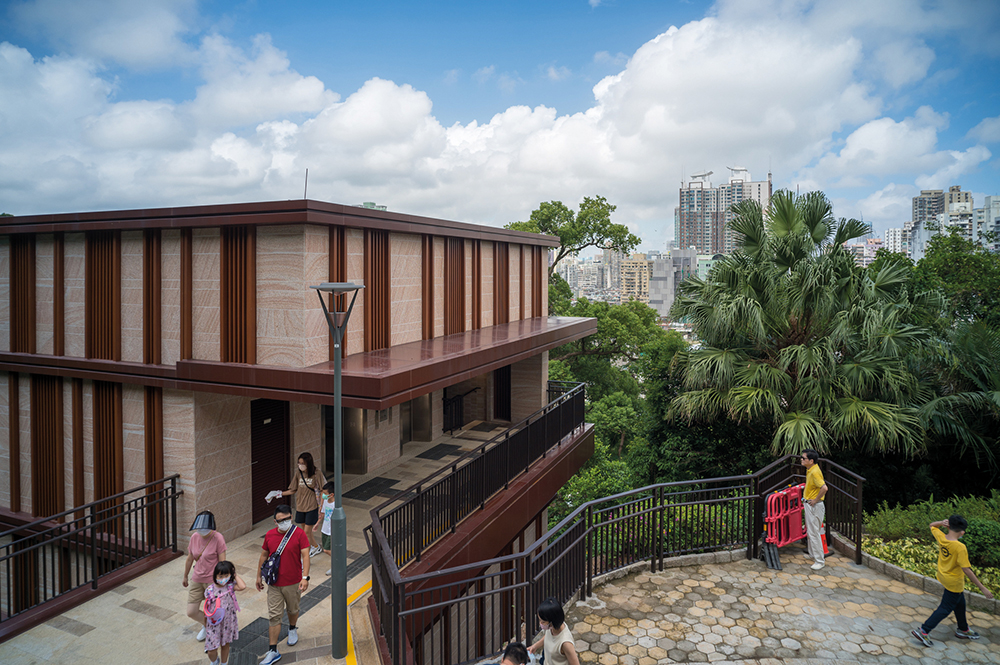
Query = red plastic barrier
x=784 y=516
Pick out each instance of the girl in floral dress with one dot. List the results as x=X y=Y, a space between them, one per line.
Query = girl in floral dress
x=218 y=637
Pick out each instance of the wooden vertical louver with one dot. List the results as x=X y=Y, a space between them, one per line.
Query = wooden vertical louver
x=501 y=283
x=477 y=284
x=187 y=295
x=238 y=298
x=454 y=286
x=59 y=295
x=109 y=467
x=338 y=273
x=47 y=484
x=103 y=299
x=536 y=281
x=14 y=440
x=78 y=456
x=151 y=296
x=153 y=431
x=377 y=290
x=427 y=286
x=22 y=293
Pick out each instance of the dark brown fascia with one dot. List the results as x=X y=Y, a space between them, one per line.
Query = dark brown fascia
x=375 y=380
x=266 y=213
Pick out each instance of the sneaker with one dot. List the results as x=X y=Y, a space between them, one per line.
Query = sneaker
x=329 y=571
x=922 y=636
x=313 y=551
x=293 y=637
x=967 y=634
x=271 y=657
x=201 y=635
x=819 y=565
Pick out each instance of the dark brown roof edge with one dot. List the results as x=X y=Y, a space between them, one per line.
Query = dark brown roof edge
x=264 y=213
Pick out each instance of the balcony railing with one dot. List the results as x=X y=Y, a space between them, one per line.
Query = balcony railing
x=467 y=613
x=48 y=559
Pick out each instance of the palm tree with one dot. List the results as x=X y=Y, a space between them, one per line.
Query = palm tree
x=798 y=339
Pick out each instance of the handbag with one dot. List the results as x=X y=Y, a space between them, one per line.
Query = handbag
x=269 y=571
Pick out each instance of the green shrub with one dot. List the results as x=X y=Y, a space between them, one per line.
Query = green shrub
x=921 y=558
x=895 y=522
x=982 y=538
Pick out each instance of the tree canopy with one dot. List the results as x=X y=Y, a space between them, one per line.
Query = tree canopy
x=590 y=227
x=967 y=273
x=797 y=339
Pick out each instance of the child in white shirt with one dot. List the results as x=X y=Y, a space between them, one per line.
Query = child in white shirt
x=327 y=506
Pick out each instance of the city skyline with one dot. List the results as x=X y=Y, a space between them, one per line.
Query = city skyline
x=480 y=113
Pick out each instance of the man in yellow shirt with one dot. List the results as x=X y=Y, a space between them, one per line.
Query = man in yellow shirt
x=814 y=508
x=952 y=569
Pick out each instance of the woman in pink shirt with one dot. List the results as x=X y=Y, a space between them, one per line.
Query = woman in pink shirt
x=207 y=548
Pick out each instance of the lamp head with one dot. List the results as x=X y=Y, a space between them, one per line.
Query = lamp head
x=338 y=288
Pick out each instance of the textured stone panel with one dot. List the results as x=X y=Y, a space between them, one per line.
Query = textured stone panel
x=74 y=276
x=131 y=296
x=205 y=266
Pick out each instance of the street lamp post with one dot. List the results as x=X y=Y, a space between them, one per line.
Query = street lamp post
x=337 y=321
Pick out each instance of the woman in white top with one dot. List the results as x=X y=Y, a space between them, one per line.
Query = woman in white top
x=556 y=642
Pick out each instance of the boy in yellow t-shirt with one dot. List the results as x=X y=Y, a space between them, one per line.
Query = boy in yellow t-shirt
x=952 y=569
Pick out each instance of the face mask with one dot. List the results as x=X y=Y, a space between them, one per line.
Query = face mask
x=302 y=467
x=284 y=525
x=544 y=625
x=204 y=533
x=325 y=496
x=222 y=581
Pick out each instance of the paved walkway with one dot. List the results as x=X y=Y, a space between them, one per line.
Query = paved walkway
x=143 y=622
x=742 y=611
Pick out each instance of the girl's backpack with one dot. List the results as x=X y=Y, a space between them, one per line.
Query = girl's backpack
x=214 y=610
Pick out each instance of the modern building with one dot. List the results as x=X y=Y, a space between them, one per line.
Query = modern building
x=137 y=344
x=612 y=264
x=635 y=274
x=897 y=240
x=702 y=218
x=987 y=220
x=954 y=210
x=666 y=273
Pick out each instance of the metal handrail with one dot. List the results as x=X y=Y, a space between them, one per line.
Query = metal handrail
x=86 y=506
x=609 y=533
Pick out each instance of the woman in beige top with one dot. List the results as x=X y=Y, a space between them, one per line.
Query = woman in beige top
x=307 y=482
x=556 y=641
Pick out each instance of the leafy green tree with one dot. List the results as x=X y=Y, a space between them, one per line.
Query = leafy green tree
x=560 y=296
x=967 y=273
x=590 y=227
x=799 y=342
x=615 y=419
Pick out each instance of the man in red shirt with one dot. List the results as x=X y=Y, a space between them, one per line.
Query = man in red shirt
x=293 y=579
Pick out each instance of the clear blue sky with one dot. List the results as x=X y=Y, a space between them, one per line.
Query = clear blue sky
x=479 y=111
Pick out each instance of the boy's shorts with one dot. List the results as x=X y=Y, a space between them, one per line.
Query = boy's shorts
x=325 y=542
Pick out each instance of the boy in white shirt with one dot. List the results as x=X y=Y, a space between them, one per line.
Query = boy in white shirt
x=326 y=506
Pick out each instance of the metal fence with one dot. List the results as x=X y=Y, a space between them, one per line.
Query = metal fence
x=46 y=559
x=465 y=614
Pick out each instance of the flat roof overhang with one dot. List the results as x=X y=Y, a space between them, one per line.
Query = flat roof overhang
x=265 y=213
x=372 y=380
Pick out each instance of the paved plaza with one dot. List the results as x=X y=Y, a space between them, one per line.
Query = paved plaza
x=744 y=612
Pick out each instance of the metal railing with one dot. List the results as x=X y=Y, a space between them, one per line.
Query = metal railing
x=48 y=558
x=433 y=507
x=467 y=613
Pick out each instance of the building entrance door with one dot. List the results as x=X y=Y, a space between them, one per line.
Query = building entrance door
x=270 y=449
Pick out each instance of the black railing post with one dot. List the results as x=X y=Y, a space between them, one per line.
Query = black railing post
x=94 y=569
x=750 y=504
x=590 y=550
x=859 y=521
x=454 y=497
x=173 y=513
x=418 y=526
